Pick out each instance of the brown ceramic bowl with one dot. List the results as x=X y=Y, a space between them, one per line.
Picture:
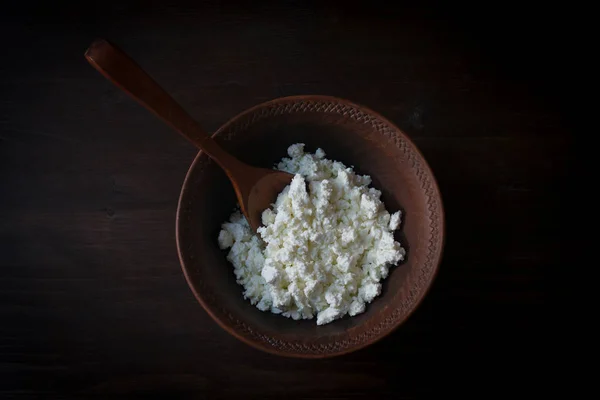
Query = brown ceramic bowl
x=353 y=135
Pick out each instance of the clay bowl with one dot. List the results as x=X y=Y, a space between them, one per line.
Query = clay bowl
x=353 y=135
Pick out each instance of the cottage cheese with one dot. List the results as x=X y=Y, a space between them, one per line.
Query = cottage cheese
x=322 y=252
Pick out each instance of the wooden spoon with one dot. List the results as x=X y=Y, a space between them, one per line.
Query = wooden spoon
x=255 y=188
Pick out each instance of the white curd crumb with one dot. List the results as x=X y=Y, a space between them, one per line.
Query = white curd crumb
x=395 y=220
x=225 y=239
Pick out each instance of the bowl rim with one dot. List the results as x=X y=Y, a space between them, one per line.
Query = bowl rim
x=435 y=265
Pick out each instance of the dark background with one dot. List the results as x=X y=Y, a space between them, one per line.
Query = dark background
x=93 y=302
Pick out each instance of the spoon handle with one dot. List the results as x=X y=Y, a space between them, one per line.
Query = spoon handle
x=126 y=74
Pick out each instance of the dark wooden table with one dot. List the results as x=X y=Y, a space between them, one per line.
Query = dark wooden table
x=93 y=302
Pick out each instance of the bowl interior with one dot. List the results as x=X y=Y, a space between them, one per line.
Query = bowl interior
x=261 y=137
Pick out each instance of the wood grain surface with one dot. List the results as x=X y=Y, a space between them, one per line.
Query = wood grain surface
x=93 y=302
